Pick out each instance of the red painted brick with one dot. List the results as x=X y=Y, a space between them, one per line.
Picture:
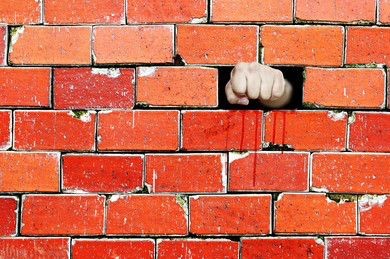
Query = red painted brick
x=186 y=173
x=336 y=10
x=80 y=88
x=8 y=216
x=102 y=173
x=374 y=214
x=133 y=44
x=168 y=86
x=169 y=11
x=51 y=45
x=3 y=44
x=251 y=11
x=63 y=215
x=351 y=172
x=221 y=130
x=230 y=214
x=29 y=172
x=307 y=130
x=368 y=45
x=86 y=12
x=207 y=44
x=54 y=130
x=113 y=248
x=303 y=45
x=198 y=249
x=269 y=171
x=20 y=11
x=352 y=88
x=138 y=130
x=370 y=132
x=5 y=129
x=28 y=87
x=34 y=248
x=357 y=247
x=384 y=11
x=147 y=215
x=276 y=248
x=314 y=214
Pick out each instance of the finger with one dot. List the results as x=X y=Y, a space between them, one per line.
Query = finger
x=233 y=98
x=253 y=85
x=267 y=82
x=278 y=87
x=238 y=80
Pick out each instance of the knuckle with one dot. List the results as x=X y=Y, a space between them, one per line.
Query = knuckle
x=241 y=66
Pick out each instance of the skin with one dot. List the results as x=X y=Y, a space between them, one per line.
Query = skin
x=257 y=82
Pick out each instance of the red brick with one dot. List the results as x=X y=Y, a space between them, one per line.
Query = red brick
x=336 y=10
x=351 y=88
x=276 y=248
x=368 y=45
x=34 y=248
x=133 y=44
x=251 y=11
x=374 y=214
x=54 y=130
x=86 y=12
x=307 y=130
x=112 y=248
x=269 y=171
x=20 y=11
x=186 y=172
x=384 y=11
x=221 y=130
x=168 y=86
x=8 y=216
x=198 y=249
x=80 y=88
x=370 y=132
x=351 y=172
x=3 y=44
x=28 y=87
x=138 y=130
x=314 y=214
x=169 y=11
x=147 y=215
x=230 y=214
x=102 y=173
x=303 y=45
x=63 y=215
x=5 y=129
x=29 y=172
x=207 y=44
x=357 y=247
x=51 y=45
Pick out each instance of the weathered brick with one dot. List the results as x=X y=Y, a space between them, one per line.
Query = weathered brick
x=276 y=248
x=384 y=11
x=51 y=45
x=207 y=44
x=54 y=130
x=314 y=214
x=351 y=88
x=198 y=249
x=28 y=87
x=20 y=11
x=5 y=129
x=102 y=173
x=8 y=216
x=3 y=44
x=133 y=44
x=147 y=215
x=368 y=45
x=168 y=86
x=351 y=172
x=29 y=172
x=63 y=215
x=81 y=88
x=304 y=130
x=138 y=130
x=169 y=11
x=112 y=248
x=85 y=12
x=370 y=132
x=230 y=214
x=269 y=171
x=303 y=45
x=186 y=172
x=221 y=130
x=374 y=214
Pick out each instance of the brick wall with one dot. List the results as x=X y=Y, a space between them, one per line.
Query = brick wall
x=112 y=146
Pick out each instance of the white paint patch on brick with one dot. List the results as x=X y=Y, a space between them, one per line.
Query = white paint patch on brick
x=224 y=174
x=115 y=198
x=146 y=71
x=15 y=37
x=319 y=189
x=110 y=72
x=237 y=155
x=336 y=116
x=199 y=20
x=86 y=117
x=367 y=202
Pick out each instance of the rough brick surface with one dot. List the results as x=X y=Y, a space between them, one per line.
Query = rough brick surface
x=384 y=11
x=8 y=216
x=20 y=11
x=3 y=44
x=374 y=214
x=5 y=129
